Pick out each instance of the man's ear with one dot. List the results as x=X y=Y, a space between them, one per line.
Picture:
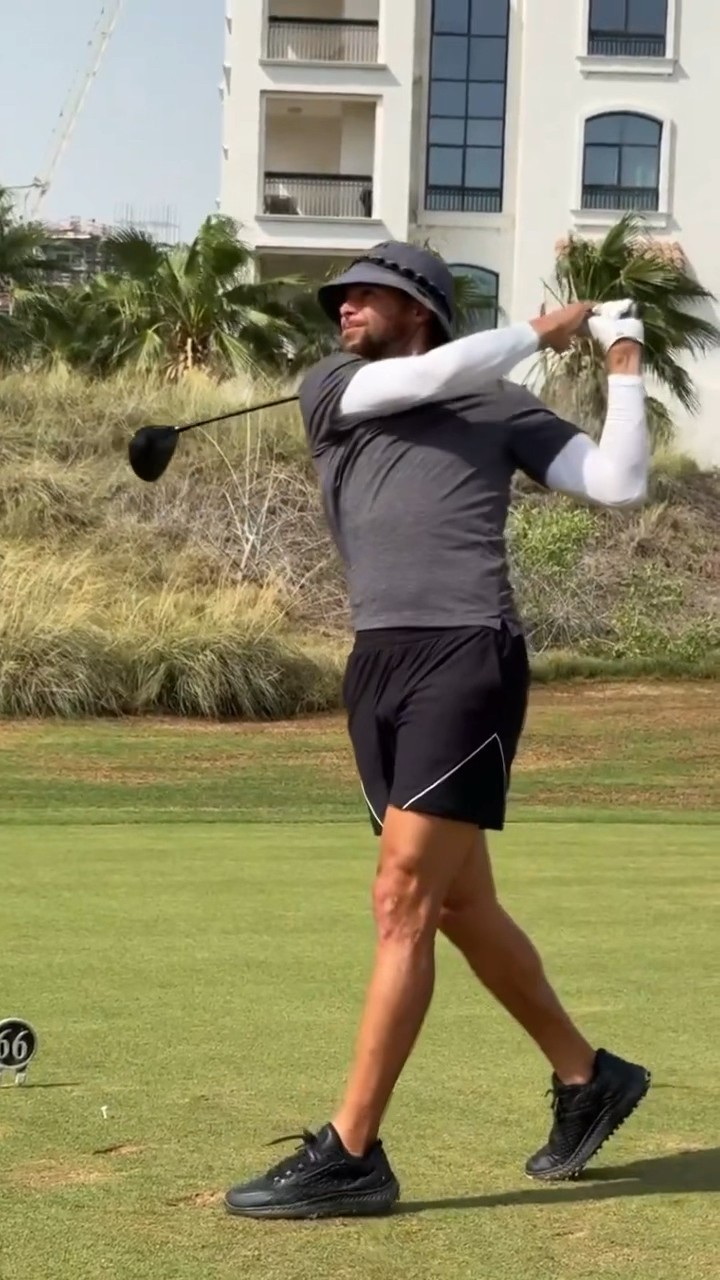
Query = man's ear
x=422 y=314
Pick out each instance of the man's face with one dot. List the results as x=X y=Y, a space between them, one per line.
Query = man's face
x=377 y=322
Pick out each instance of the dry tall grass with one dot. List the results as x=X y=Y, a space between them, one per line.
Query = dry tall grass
x=78 y=638
x=217 y=591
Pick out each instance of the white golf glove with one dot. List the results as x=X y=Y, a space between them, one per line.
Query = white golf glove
x=612 y=322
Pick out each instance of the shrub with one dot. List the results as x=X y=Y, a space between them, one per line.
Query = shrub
x=549 y=538
x=74 y=643
x=217 y=591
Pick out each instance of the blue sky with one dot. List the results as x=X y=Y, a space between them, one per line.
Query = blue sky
x=150 y=132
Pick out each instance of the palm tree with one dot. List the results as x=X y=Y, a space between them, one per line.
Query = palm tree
x=315 y=334
x=52 y=326
x=21 y=246
x=475 y=309
x=22 y=260
x=193 y=307
x=167 y=309
x=628 y=263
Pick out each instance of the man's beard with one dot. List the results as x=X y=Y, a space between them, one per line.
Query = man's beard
x=366 y=346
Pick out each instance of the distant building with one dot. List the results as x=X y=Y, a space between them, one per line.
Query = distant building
x=77 y=245
x=76 y=248
x=491 y=128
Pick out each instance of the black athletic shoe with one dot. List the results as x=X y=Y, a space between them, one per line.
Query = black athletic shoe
x=586 y=1115
x=320 y=1180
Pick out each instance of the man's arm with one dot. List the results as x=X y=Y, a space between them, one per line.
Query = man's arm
x=458 y=368
x=614 y=472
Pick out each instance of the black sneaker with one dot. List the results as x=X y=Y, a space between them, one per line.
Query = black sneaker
x=586 y=1115
x=320 y=1180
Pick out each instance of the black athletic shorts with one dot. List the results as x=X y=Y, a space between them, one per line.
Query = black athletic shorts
x=435 y=718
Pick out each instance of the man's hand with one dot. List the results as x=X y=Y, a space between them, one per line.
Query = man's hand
x=621 y=333
x=558 y=328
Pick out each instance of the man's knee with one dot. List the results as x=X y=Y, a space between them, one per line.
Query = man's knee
x=418 y=860
x=404 y=906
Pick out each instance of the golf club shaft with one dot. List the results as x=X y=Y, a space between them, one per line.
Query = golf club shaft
x=236 y=413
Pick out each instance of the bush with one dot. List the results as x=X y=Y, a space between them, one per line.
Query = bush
x=218 y=592
x=546 y=538
x=73 y=643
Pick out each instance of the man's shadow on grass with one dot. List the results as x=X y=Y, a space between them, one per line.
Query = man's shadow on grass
x=684 y=1172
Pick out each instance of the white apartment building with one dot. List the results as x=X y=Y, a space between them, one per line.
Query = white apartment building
x=490 y=128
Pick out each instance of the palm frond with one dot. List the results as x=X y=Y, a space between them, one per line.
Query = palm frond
x=134 y=253
x=627 y=262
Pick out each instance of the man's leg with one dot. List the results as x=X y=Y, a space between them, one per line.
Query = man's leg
x=506 y=962
x=420 y=858
x=343 y=1169
x=593 y=1092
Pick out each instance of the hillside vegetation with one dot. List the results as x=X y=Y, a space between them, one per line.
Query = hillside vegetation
x=216 y=592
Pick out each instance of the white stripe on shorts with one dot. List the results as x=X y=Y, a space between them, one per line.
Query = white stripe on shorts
x=493 y=737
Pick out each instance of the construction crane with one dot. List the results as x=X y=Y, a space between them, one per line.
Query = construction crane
x=97 y=44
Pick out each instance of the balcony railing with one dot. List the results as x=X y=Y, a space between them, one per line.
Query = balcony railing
x=642 y=199
x=463 y=200
x=311 y=195
x=624 y=45
x=315 y=40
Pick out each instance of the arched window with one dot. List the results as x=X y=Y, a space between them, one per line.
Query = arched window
x=621 y=162
x=628 y=28
x=477 y=297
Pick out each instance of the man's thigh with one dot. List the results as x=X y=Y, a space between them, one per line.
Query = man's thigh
x=459 y=732
x=373 y=740
x=421 y=857
x=435 y=722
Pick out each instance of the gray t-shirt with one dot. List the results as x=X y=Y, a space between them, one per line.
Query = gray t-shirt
x=417 y=502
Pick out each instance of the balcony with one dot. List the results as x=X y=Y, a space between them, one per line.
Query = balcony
x=319 y=158
x=638 y=199
x=305 y=40
x=311 y=195
x=603 y=44
x=325 y=35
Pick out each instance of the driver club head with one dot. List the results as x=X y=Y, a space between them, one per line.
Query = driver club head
x=151 y=450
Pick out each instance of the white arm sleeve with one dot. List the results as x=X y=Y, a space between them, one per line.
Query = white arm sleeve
x=458 y=368
x=614 y=472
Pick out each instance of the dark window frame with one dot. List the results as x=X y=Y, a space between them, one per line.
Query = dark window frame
x=607 y=189
x=625 y=35
x=464 y=192
x=469 y=269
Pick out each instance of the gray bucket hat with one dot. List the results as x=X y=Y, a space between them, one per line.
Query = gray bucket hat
x=396 y=265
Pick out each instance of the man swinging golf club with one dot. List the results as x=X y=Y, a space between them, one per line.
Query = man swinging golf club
x=415 y=438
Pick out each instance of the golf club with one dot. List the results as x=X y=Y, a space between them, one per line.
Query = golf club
x=151 y=449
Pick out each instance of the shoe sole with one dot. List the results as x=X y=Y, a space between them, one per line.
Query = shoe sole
x=607 y=1124
x=370 y=1204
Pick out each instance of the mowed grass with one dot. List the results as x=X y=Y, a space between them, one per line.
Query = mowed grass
x=624 y=752
x=194 y=957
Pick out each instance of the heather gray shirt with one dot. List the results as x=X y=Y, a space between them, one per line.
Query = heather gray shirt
x=417 y=502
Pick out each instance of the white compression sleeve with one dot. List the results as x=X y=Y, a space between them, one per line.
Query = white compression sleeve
x=614 y=472
x=458 y=368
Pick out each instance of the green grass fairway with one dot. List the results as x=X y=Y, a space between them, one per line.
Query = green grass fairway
x=200 y=976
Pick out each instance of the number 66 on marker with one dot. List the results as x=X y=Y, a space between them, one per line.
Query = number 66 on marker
x=18 y=1046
